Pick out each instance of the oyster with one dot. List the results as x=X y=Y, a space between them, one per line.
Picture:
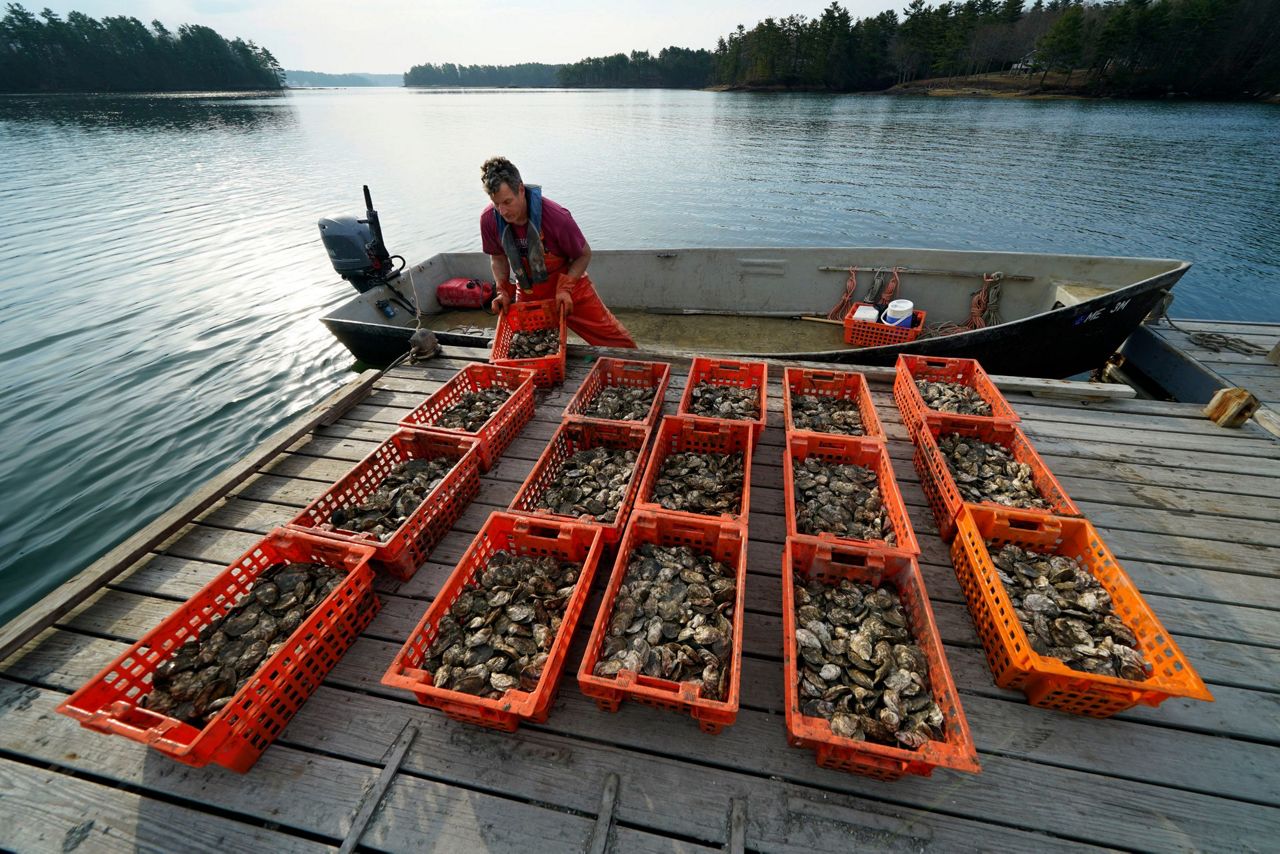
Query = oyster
x=725 y=401
x=591 y=482
x=498 y=631
x=621 y=403
x=953 y=397
x=673 y=619
x=858 y=666
x=840 y=499
x=1067 y=614
x=473 y=409
x=535 y=344
x=203 y=674
x=389 y=506
x=824 y=414
x=700 y=483
x=988 y=472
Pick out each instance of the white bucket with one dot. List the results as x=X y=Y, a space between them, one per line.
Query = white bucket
x=898 y=313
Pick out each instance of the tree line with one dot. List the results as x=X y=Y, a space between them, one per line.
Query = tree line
x=121 y=54
x=672 y=68
x=534 y=74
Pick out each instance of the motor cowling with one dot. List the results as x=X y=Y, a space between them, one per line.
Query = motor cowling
x=356 y=248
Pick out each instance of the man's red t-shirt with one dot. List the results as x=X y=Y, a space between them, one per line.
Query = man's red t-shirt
x=560 y=234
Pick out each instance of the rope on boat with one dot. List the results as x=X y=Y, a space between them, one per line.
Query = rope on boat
x=984 y=309
x=846 y=302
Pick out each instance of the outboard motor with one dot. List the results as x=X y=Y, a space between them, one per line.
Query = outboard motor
x=356 y=248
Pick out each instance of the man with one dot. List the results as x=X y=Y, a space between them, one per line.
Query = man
x=549 y=259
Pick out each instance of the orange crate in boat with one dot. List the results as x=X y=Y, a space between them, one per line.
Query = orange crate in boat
x=574 y=436
x=238 y=734
x=531 y=316
x=407 y=547
x=621 y=373
x=503 y=425
x=678 y=434
x=565 y=541
x=939 y=369
x=841 y=385
x=805 y=560
x=940 y=487
x=1047 y=681
x=849 y=450
x=729 y=372
x=863 y=333
x=725 y=543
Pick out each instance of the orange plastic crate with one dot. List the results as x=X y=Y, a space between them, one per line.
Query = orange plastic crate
x=731 y=373
x=849 y=450
x=566 y=541
x=725 y=543
x=626 y=374
x=530 y=316
x=842 y=385
x=501 y=428
x=574 y=436
x=938 y=369
x=863 y=333
x=677 y=434
x=805 y=560
x=940 y=488
x=1047 y=681
x=238 y=734
x=408 y=546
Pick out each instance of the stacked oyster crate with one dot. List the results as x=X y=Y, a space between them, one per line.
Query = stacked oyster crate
x=857 y=624
x=219 y=678
x=1041 y=585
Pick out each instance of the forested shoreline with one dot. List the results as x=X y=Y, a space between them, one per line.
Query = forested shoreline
x=47 y=53
x=530 y=74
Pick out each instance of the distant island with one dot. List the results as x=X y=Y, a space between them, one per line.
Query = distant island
x=314 y=79
x=525 y=74
x=121 y=54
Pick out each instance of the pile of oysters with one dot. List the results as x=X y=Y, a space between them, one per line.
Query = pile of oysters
x=497 y=634
x=591 y=482
x=824 y=414
x=730 y=402
x=859 y=667
x=988 y=472
x=694 y=482
x=390 y=505
x=203 y=674
x=621 y=403
x=473 y=409
x=1067 y=614
x=953 y=397
x=673 y=619
x=535 y=344
x=840 y=499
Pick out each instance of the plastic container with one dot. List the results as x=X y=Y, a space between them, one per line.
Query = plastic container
x=873 y=333
x=866 y=312
x=1047 y=681
x=830 y=563
x=620 y=373
x=567 y=541
x=531 y=316
x=842 y=385
x=502 y=427
x=731 y=373
x=677 y=434
x=238 y=734
x=938 y=369
x=465 y=293
x=898 y=313
x=408 y=546
x=940 y=488
x=849 y=450
x=574 y=436
x=727 y=544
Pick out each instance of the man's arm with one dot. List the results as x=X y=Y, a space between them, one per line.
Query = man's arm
x=578 y=266
x=506 y=294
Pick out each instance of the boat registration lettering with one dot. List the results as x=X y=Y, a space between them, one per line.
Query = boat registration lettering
x=1096 y=313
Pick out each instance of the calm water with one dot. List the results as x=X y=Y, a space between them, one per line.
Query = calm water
x=162 y=276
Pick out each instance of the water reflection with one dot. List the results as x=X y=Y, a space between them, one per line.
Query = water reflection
x=196 y=112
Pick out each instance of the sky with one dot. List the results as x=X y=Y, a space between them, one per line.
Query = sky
x=389 y=36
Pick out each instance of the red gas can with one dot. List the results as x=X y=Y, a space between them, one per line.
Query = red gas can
x=464 y=293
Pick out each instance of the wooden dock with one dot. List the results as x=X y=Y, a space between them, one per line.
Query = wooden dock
x=1191 y=509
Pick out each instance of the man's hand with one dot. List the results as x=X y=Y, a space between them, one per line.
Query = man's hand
x=564 y=302
x=500 y=302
